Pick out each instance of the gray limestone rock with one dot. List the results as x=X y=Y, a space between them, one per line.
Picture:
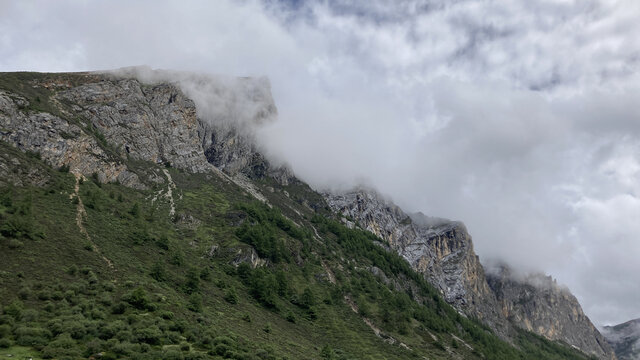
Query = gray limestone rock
x=60 y=142
x=536 y=303
x=145 y=122
x=440 y=249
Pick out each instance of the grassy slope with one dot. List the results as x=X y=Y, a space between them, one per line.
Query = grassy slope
x=165 y=296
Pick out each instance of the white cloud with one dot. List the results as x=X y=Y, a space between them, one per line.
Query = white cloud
x=519 y=118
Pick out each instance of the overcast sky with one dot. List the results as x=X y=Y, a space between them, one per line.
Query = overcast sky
x=520 y=118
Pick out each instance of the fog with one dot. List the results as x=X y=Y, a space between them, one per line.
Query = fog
x=519 y=118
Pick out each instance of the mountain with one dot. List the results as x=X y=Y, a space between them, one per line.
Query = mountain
x=536 y=302
x=139 y=219
x=440 y=249
x=443 y=251
x=625 y=339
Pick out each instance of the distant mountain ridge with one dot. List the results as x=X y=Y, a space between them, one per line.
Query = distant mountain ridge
x=625 y=339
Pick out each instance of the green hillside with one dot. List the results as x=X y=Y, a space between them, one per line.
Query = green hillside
x=196 y=268
x=138 y=283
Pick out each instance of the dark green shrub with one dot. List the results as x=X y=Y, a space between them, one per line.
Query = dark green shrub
x=195 y=303
x=5 y=343
x=119 y=308
x=93 y=347
x=263 y=286
x=72 y=270
x=290 y=317
x=177 y=258
x=150 y=335
x=267 y=328
x=312 y=313
x=125 y=336
x=44 y=295
x=172 y=354
x=7 y=320
x=194 y=355
x=24 y=293
x=205 y=274
x=30 y=315
x=192 y=282
x=137 y=298
x=163 y=242
x=57 y=295
x=76 y=328
x=32 y=336
x=15 y=244
x=167 y=315
x=14 y=309
x=307 y=299
x=231 y=295
x=135 y=210
x=5 y=331
x=105 y=299
x=124 y=348
x=327 y=353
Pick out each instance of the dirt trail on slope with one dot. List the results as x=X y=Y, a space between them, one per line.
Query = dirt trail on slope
x=169 y=195
x=81 y=215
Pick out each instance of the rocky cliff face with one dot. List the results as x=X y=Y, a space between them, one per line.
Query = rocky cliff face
x=106 y=123
x=535 y=302
x=440 y=249
x=443 y=251
x=102 y=124
x=625 y=339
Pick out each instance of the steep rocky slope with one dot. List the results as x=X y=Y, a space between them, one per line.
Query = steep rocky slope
x=535 y=302
x=440 y=249
x=121 y=130
x=625 y=339
x=443 y=251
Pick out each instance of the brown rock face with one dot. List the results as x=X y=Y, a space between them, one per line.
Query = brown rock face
x=535 y=302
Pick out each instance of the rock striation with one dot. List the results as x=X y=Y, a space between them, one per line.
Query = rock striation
x=536 y=303
x=155 y=123
x=104 y=123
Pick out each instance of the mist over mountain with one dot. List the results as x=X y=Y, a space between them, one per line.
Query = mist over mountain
x=625 y=339
x=507 y=118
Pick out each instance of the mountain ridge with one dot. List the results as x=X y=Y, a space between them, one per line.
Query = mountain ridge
x=625 y=339
x=82 y=129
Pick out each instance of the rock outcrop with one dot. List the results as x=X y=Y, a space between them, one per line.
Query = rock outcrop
x=58 y=141
x=440 y=249
x=145 y=122
x=536 y=303
x=103 y=123
x=625 y=339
